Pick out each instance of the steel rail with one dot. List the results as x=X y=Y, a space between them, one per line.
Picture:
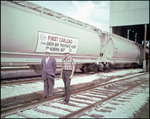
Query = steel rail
x=15 y=109
x=84 y=109
x=14 y=80
x=96 y=85
x=21 y=81
x=15 y=68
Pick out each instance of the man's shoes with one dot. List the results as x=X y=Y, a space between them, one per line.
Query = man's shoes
x=44 y=97
x=67 y=101
x=64 y=100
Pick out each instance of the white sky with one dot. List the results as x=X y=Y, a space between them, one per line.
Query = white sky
x=95 y=13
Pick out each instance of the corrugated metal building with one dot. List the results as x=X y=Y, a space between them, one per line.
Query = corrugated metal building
x=128 y=19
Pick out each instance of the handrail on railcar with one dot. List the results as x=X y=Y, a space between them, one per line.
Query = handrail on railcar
x=43 y=10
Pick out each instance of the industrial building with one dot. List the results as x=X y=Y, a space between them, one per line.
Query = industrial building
x=129 y=19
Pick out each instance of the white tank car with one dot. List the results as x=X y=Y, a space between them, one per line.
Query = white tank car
x=26 y=32
x=119 y=51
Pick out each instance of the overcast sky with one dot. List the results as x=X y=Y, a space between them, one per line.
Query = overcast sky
x=95 y=13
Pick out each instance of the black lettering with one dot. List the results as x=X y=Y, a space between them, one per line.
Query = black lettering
x=56 y=44
x=65 y=45
x=47 y=47
x=62 y=49
x=43 y=43
x=54 y=49
x=73 y=46
x=50 y=43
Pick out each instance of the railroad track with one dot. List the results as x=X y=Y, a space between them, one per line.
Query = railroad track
x=22 y=79
x=15 y=68
x=30 y=79
x=20 y=73
x=80 y=103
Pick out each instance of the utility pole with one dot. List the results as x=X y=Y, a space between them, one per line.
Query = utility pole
x=144 y=61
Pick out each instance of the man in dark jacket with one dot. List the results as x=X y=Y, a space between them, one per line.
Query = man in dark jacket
x=48 y=73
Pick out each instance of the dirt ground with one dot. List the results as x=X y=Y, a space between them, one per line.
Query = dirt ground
x=143 y=112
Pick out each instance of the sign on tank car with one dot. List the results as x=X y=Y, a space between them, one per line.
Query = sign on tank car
x=56 y=43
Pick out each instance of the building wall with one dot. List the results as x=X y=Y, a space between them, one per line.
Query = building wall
x=124 y=13
x=128 y=19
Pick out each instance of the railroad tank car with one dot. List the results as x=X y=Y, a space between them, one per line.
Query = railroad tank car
x=28 y=29
x=26 y=33
x=119 y=51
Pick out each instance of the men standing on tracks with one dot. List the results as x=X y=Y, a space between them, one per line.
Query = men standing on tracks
x=48 y=73
x=67 y=71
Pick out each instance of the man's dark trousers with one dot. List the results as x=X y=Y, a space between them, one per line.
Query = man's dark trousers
x=48 y=85
x=66 y=78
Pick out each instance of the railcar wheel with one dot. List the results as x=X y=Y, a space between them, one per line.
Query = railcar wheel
x=110 y=67
x=82 y=70
x=95 y=69
x=131 y=65
x=85 y=69
x=104 y=68
x=134 y=66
